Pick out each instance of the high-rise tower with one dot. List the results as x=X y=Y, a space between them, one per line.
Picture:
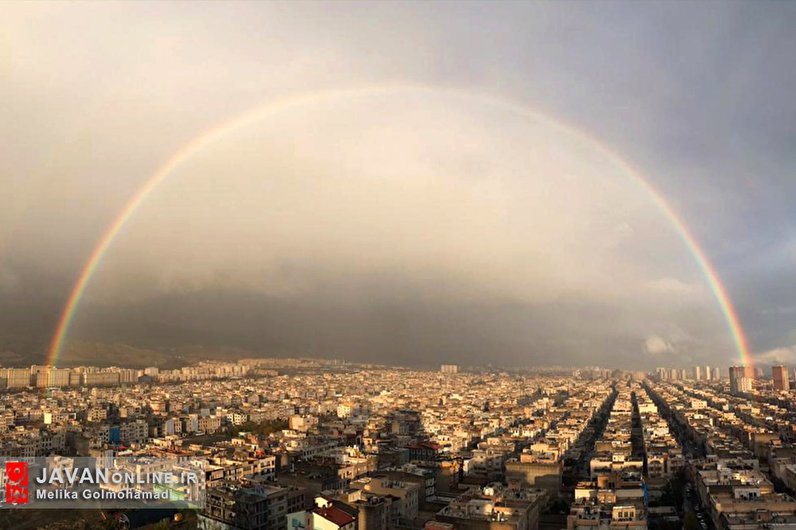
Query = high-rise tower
x=780 y=376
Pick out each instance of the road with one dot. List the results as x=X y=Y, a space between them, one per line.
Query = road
x=691 y=504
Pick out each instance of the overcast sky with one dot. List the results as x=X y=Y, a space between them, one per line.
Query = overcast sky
x=403 y=225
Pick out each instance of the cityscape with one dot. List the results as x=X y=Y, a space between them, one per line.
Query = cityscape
x=303 y=443
x=397 y=265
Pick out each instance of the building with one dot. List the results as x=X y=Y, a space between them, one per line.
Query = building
x=585 y=516
x=494 y=507
x=46 y=376
x=100 y=379
x=328 y=516
x=449 y=369
x=741 y=379
x=780 y=376
x=735 y=495
x=530 y=472
x=16 y=377
x=407 y=492
x=260 y=507
x=373 y=512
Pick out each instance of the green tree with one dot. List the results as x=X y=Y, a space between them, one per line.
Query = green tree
x=263 y=428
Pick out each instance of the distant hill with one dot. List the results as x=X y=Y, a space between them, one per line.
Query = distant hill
x=10 y=358
x=90 y=353
x=101 y=354
x=191 y=354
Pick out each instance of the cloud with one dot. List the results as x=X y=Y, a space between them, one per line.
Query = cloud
x=783 y=355
x=8 y=279
x=416 y=209
x=412 y=206
x=656 y=345
x=676 y=287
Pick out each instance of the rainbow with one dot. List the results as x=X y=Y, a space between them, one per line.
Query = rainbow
x=272 y=108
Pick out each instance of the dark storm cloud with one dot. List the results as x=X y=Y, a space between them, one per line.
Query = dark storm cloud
x=399 y=326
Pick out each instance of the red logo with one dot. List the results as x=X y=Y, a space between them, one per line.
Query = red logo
x=17 y=482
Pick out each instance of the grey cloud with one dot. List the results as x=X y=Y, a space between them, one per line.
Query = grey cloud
x=96 y=96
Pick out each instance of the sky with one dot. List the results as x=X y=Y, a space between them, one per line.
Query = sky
x=448 y=182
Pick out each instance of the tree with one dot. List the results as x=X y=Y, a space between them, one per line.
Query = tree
x=690 y=521
x=264 y=428
x=164 y=524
